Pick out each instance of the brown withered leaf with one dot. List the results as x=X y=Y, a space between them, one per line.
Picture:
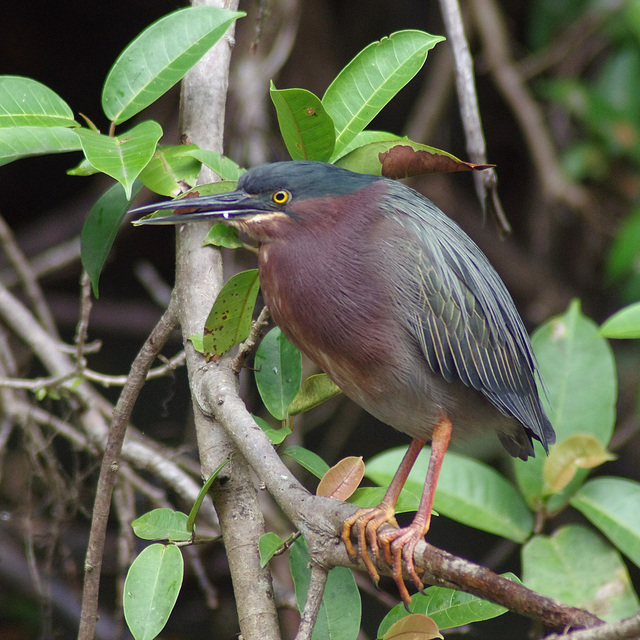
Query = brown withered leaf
x=342 y=479
x=416 y=626
x=402 y=161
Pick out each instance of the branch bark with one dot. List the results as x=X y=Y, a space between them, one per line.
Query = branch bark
x=320 y=519
x=198 y=280
x=109 y=470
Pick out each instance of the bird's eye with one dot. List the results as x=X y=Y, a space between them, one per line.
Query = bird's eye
x=281 y=197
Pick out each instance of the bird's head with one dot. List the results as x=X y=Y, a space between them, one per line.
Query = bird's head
x=269 y=198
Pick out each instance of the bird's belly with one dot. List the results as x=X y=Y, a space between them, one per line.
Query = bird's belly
x=398 y=388
x=369 y=356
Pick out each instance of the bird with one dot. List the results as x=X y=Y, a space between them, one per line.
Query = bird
x=400 y=308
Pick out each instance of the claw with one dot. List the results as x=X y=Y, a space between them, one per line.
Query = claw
x=399 y=547
x=367 y=522
x=398 y=544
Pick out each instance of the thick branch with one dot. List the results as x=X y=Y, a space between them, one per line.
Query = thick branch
x=320 y=519
x=198 y=280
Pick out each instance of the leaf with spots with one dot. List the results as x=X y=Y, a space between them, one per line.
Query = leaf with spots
x=229 y=321
x=306 y=128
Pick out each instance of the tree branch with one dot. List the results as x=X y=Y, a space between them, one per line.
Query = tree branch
x=109 y=469
x=555 y=185
x=198 y=280
x=486 y=181
x=320 y=519
x=315 y=592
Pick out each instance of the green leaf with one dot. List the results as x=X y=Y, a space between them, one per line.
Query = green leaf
x=27 y=103
x=197 y=342
x=366 y=137
x=170 y=168
x=21 y=142
x=275 y=435
x=193 y=514
x=315 y=390
x=278 y=372
x=341 y=608
x=306 y=128
x=100 y=229
x=623 y=324
x=577 y=567
x=162 y=524
x=151 y=589
x=372 y=79
x=160 y=56
x=624 y=253
x=229 y=321
x=221 y=235
x=122 y=157
x=83 y=168
x=612 y=505
x=268 y=545
x=312 y=462
x=577 y=366
x=225 y=168
x=468 y=491
x=448 y=608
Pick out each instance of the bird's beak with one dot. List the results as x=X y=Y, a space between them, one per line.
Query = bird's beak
x=228 y=206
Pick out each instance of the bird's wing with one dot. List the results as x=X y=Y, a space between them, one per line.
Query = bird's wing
x=465 y=321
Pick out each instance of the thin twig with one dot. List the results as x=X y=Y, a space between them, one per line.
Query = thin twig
x=486 y=181
x=315 y=592
x=247 y=347
x=628 y=629
x=109 y=468
x=147 y=274
x=28 y=277
x=553 y=181
x=568 y=41
x=105 y=380
x=34 y=384
x=82 y=326
x=47 y=262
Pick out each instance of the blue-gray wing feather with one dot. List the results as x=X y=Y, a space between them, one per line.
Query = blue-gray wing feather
x=462 y=315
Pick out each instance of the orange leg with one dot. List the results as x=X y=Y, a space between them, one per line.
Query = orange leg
x=367 y=521
x=399 y=545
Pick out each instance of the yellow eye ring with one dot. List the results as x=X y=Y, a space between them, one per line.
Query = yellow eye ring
x=281 y=197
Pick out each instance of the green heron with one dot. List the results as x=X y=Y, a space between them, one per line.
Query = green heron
x=400 y=308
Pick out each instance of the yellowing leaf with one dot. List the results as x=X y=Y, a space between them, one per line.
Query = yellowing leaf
x=314 y=391
x=579 y=450
x=414 y=627
x=342 y=479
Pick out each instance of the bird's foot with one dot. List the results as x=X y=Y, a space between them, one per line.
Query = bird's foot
x=398 y=547
x=366 y=522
